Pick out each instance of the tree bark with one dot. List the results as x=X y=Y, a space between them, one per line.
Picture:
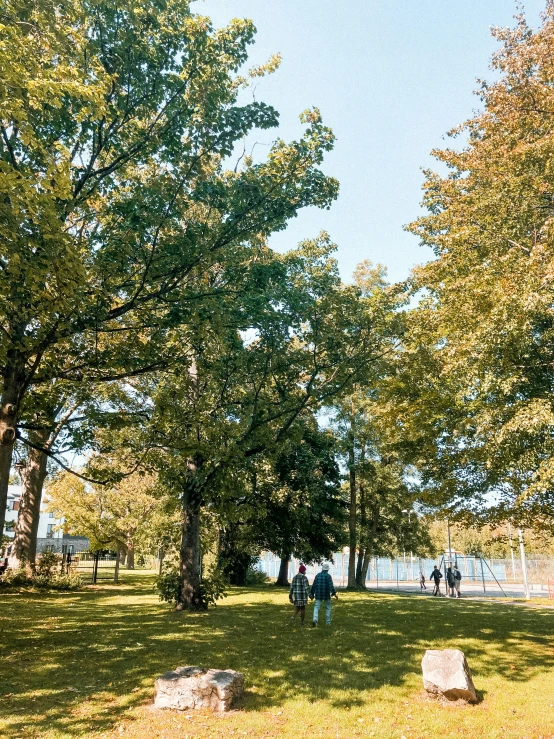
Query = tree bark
x=360 y=578
x=116 y=573
x=359 y=567
x=365 y=568
x=283 y=577
x=352 y=539
x=33 y=474
x=190 y=597
x=130 y=556
x=13 y=377
x=6 y=451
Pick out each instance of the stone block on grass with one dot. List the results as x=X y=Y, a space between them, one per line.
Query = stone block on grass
x=446 y=674
x=187 y=688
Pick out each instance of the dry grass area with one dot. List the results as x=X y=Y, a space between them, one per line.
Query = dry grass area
x=83 y=665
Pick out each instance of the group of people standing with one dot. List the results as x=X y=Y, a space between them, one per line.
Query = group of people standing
x=321 y=591
x=453 y=581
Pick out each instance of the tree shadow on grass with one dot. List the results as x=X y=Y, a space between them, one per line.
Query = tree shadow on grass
x=77 y=662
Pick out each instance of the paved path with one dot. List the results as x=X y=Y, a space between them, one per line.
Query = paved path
x=469 y=589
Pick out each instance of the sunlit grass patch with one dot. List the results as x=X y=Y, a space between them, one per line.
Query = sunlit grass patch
x=83 y=664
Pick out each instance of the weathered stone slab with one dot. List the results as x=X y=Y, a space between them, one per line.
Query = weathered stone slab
x=446 y=673
x=187 y=688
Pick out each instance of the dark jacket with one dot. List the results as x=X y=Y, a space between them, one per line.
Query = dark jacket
x=322 y=586
x=436 y=576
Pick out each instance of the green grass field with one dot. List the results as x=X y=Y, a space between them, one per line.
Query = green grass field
x=83 y=665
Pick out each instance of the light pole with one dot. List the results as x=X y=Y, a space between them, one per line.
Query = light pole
x=449 y=543
x=512 y=551
x=409 y=514
x=523 y=565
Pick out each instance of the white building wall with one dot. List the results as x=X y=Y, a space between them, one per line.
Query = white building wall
x=47 y=524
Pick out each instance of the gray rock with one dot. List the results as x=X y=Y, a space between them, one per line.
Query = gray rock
x=187 y=688
x=446 y=674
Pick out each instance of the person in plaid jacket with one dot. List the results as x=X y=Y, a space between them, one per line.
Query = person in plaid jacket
x=299 y=593
x=322 y=590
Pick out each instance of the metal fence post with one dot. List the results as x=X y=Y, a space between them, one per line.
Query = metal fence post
x=95 y=567
x=483 y=575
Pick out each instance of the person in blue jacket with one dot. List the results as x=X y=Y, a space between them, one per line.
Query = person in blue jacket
x=322 y=590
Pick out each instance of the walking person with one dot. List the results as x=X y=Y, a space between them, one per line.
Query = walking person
x=422 y=585
x=451 y=583
x=322 y=590
x=299 y=593
x=436 y=577
x=457 y=580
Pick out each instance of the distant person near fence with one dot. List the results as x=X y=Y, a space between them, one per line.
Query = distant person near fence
x=436 y=577
x=451 y=583
x=457 y=580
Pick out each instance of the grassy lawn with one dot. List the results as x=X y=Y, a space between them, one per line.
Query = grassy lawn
x=83 y=665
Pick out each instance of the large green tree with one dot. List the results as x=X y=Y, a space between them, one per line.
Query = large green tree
x=476 y=381
x=117 y=126
x=297 y=507
x=295 y=339
x=352 y=417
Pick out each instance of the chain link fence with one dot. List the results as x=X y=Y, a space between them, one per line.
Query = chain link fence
x=489 y=574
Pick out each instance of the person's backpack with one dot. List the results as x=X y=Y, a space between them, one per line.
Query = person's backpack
x=458 y=575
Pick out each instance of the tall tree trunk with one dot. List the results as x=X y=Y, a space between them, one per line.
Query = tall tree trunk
x=352 y=538
x=116 y=573
x=130 y=556
x=371 y=539
x=360 y=579
x=6 y=451
x=12 y=388
x=33 y=474
x=283 y=577
x=365 y=568
x=359 y=567
x=190 y=597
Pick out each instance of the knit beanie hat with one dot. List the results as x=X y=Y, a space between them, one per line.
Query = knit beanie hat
x=302 y=569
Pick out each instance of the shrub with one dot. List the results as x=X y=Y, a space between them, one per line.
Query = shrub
x=212 y=588
x=44 y=576
x=255 y=577
x=168 y=585
x=65 y=581
x=47 y=564
x=17 y=577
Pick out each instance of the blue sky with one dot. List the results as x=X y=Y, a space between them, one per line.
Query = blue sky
x=391 y=77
